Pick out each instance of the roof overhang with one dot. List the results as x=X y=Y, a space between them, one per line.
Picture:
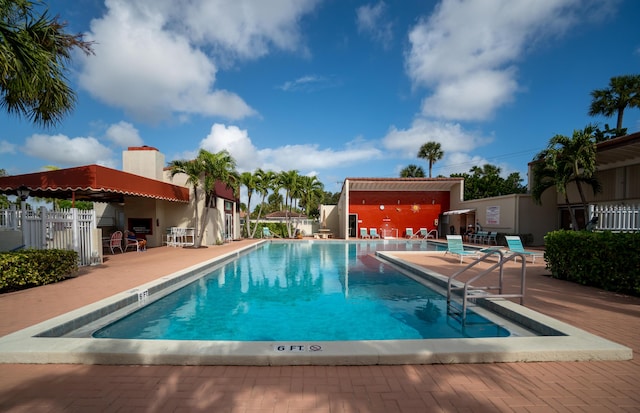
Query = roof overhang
x=459 y=211
x=618 y=152
x=402 y=184
x=92 y=183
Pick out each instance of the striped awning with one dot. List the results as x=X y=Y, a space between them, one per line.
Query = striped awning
x=459 y=211
x=92 y=183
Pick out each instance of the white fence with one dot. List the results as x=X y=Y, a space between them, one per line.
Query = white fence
x=622 y=218
x=66 y=229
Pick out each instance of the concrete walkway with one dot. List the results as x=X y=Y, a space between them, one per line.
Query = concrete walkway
x=512 y=387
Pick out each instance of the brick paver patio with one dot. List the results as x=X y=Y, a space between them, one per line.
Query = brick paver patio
x=600 y=386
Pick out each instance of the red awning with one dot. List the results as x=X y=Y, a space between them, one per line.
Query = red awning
x=92 y=183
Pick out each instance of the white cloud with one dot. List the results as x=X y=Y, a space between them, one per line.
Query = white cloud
x=308 y=83
x=305 y=158
x=371 y=19
x=451 y=136
x=234 y=140
x=7 y=147
x=60 y=150
x=124 y=135
x=245 y=29
x=150 y=72
x=467 y=51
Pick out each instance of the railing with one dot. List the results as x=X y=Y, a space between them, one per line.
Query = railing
x=622 y=218
x=472 y=292
x=64 y=229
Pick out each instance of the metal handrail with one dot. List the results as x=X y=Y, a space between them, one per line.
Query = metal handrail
x=467 y=285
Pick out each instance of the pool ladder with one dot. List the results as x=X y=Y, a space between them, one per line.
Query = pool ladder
x=470 y=292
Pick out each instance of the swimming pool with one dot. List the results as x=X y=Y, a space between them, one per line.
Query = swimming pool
x=324 y=291
x=67 y=338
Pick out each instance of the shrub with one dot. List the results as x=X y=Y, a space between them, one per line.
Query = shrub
x=31 y=268
x=606 y=260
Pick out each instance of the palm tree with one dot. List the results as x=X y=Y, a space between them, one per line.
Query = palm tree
x=34 y=51
x=311 y=190
x=218 y=167
x=567 y=160
x=412 y=171
x=195 y=173
x=265 y=181
x=431 y=151
x=623 y=92
x=249 y=180
x=288 y=180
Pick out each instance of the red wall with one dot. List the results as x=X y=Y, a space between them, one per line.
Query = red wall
x=401 y=210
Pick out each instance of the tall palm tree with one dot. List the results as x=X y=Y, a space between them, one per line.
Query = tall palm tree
x=249 y=180
x=431 y=151
x=265 y=181
x=623 y=92
x=195 y=173
x=34 y=52
x=412 y=171
x=288 y=180
x=217 y=167
x=567 y=160
x=311 y=190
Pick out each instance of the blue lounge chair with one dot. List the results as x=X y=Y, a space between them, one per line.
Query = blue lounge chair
x=491 y=238
x=266 y=232
x=409 y=233
x=455 y=246
x=374 y=233
x=515 y=245
x=364 y=233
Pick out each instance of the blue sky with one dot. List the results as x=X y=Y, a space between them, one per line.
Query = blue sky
x=333 y=88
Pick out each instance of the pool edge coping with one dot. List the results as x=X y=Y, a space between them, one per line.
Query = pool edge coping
x=577 y=345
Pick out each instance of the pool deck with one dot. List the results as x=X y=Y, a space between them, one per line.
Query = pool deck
x=595 y=386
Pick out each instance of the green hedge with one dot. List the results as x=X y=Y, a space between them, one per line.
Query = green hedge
x=31 y=268
x=606 y=260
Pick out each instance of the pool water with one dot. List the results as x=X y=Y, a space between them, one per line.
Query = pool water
x=303 y=291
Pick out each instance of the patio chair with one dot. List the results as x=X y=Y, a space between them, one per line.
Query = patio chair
x=515 y=245
x=491 y=237
x=116 y=241
x=374 y=233
x=409 y=233
x=266 y=232
x=479 y=237
x=422 y=233
x=455 y=247
x=132 y=242
x=364 y=233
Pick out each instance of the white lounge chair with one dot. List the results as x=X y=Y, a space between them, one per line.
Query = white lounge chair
x=364 y=233
x=374 y=233
x=409 y=233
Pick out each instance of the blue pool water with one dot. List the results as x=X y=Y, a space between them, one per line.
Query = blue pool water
x=303 y=291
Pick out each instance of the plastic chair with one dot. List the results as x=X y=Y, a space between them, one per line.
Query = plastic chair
x=116 y=241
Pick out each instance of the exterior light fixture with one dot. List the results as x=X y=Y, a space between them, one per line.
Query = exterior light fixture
x=23 y=193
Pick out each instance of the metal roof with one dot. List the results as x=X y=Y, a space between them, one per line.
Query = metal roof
x=402 y=184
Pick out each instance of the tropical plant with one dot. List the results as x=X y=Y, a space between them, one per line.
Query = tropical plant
x=218 y=167
x=312 y=191
x=567 y=160
x=195 y=172
x=265 y=182
x=289 y=181
x=248 y=179
x=34 y=52
x=486 y=182
x=412 y=171
x=432 y=152
x=4 y=201
x=623 y=92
